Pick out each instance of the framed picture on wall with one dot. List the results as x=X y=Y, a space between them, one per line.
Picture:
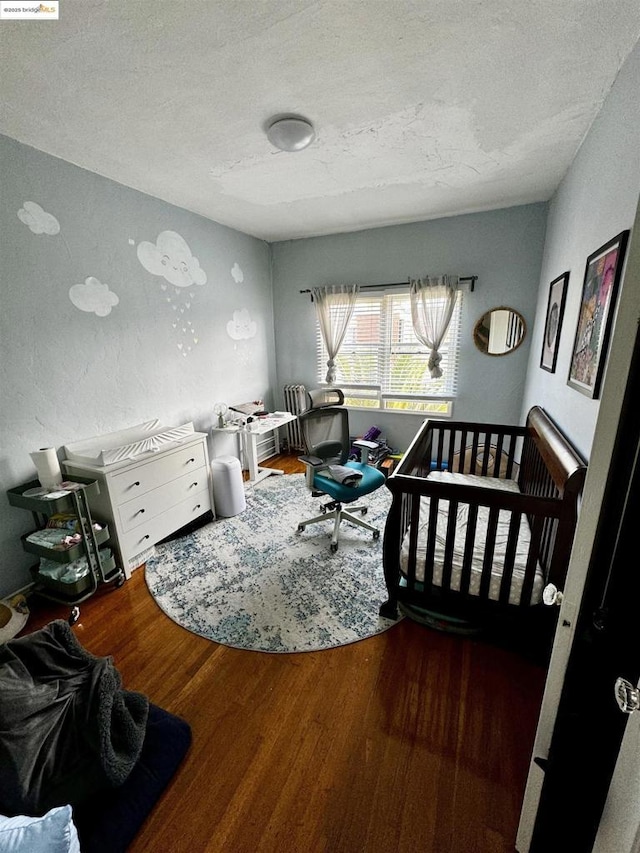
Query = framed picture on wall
x=599 y=293
x=553 y=323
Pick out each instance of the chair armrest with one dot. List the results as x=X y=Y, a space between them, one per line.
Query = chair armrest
x=366 y=447
x=312 y=466
x=362 y=442
x=314 y=461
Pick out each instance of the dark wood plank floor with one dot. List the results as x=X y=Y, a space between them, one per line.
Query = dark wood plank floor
x=412 y=740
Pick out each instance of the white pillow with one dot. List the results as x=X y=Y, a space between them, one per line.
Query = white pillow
x=54 y=832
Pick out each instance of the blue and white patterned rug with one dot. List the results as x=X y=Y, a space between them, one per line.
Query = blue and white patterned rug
x=253 y=581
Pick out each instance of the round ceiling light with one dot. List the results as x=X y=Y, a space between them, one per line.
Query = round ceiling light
x=291 y=134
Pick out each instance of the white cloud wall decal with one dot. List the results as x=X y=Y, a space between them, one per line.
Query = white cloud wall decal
x=241 y=326
x=38 y=220
x=93 y=296
x=236 y=272
x=170 y=257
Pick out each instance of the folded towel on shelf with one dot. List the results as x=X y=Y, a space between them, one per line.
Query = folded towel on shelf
x=68 y=521
x=58 y=539
x=70 y=572
x=344 y=475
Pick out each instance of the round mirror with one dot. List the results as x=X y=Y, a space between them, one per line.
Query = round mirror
x=499 y=331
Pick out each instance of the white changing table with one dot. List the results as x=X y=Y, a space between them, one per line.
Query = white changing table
x=147 y=497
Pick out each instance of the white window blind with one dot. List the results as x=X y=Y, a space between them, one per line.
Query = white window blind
x=382 y=365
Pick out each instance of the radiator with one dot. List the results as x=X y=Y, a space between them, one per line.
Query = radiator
x=295 y=401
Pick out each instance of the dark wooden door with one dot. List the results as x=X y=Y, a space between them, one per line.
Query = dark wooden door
x=589 y=724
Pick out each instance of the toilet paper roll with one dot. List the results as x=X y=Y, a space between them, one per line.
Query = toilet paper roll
x=47 y=466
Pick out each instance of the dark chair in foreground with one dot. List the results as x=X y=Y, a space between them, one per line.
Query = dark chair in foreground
x=80 y=756
x=329 y=471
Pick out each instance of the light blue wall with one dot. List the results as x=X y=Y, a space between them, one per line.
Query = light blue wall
x=502 y=247
x=68 y=374
x=596 y=200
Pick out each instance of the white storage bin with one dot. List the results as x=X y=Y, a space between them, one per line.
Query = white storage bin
x=228 y=488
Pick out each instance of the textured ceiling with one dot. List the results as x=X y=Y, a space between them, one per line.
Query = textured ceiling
x=422 y=109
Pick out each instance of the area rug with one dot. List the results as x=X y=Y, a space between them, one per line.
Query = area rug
x=253 y=581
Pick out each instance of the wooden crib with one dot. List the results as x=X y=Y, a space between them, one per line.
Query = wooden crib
x=482 y=518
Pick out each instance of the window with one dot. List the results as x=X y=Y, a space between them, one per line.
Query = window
x=382 y=365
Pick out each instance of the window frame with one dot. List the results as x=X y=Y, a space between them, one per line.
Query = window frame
x=435 y=404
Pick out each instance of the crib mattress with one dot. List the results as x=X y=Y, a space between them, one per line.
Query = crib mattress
x=502 y=533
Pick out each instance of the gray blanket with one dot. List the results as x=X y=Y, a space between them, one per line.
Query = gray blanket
x=67 y=727
x=344 y=475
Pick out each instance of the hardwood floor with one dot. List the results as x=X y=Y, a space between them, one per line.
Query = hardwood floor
x=412 y=740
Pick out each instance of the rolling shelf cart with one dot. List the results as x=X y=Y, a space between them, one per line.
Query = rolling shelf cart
x=77 y=502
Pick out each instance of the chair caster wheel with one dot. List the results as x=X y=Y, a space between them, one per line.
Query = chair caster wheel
x=376 y=534
x=364 y=510
x=74 y=615
x=323 y=509
x=119 y=581
x=334 y=547
x=300 y=528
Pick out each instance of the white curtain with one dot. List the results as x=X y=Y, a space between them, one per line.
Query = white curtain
x=433 y=299
x=334 y=307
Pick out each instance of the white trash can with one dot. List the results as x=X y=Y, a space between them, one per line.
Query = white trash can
x=228 y=488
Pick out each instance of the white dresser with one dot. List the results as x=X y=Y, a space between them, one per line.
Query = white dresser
x=147 y=498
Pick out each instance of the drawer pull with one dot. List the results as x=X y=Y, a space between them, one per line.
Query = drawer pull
x=190 y=460
x=197 y=506
x=146 y=536
x=194 y=484
x=139 y=512
x=137 y=483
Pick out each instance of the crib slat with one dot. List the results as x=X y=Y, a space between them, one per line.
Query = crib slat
x=452 y=518
x=474 y=452
x=510 y=557
x=431 y=542
x=550 y=530
x=440 y=455
x=426 y=455
x=487 y=562
x=469 y=542
x=405 y=512
x=463 y=449
x=499 y=445
x=512 y=441
x=413 y=542
x=486 y=454
x=532 y=559
x=497 y=457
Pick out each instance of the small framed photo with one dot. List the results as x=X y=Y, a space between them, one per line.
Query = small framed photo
x=599 y=293
x=553 y=323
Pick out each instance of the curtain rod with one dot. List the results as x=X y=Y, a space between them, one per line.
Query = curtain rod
x=471 y=278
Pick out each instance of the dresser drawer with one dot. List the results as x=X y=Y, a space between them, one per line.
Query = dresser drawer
x=142 y=478
x=151 y=532
x=147 y=506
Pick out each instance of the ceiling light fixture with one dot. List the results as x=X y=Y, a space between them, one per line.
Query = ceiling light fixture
x=291 y=133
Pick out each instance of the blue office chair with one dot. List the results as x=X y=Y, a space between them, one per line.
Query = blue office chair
x=329 y=471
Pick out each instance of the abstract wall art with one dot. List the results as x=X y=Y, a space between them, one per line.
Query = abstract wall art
x=597 y=304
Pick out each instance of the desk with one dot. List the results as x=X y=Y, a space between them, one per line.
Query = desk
x=252 y=433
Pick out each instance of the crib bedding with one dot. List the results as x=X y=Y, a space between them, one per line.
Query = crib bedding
x=462 y=516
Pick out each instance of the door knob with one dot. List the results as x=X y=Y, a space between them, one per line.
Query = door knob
x=627 y=696
x=551 y=595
